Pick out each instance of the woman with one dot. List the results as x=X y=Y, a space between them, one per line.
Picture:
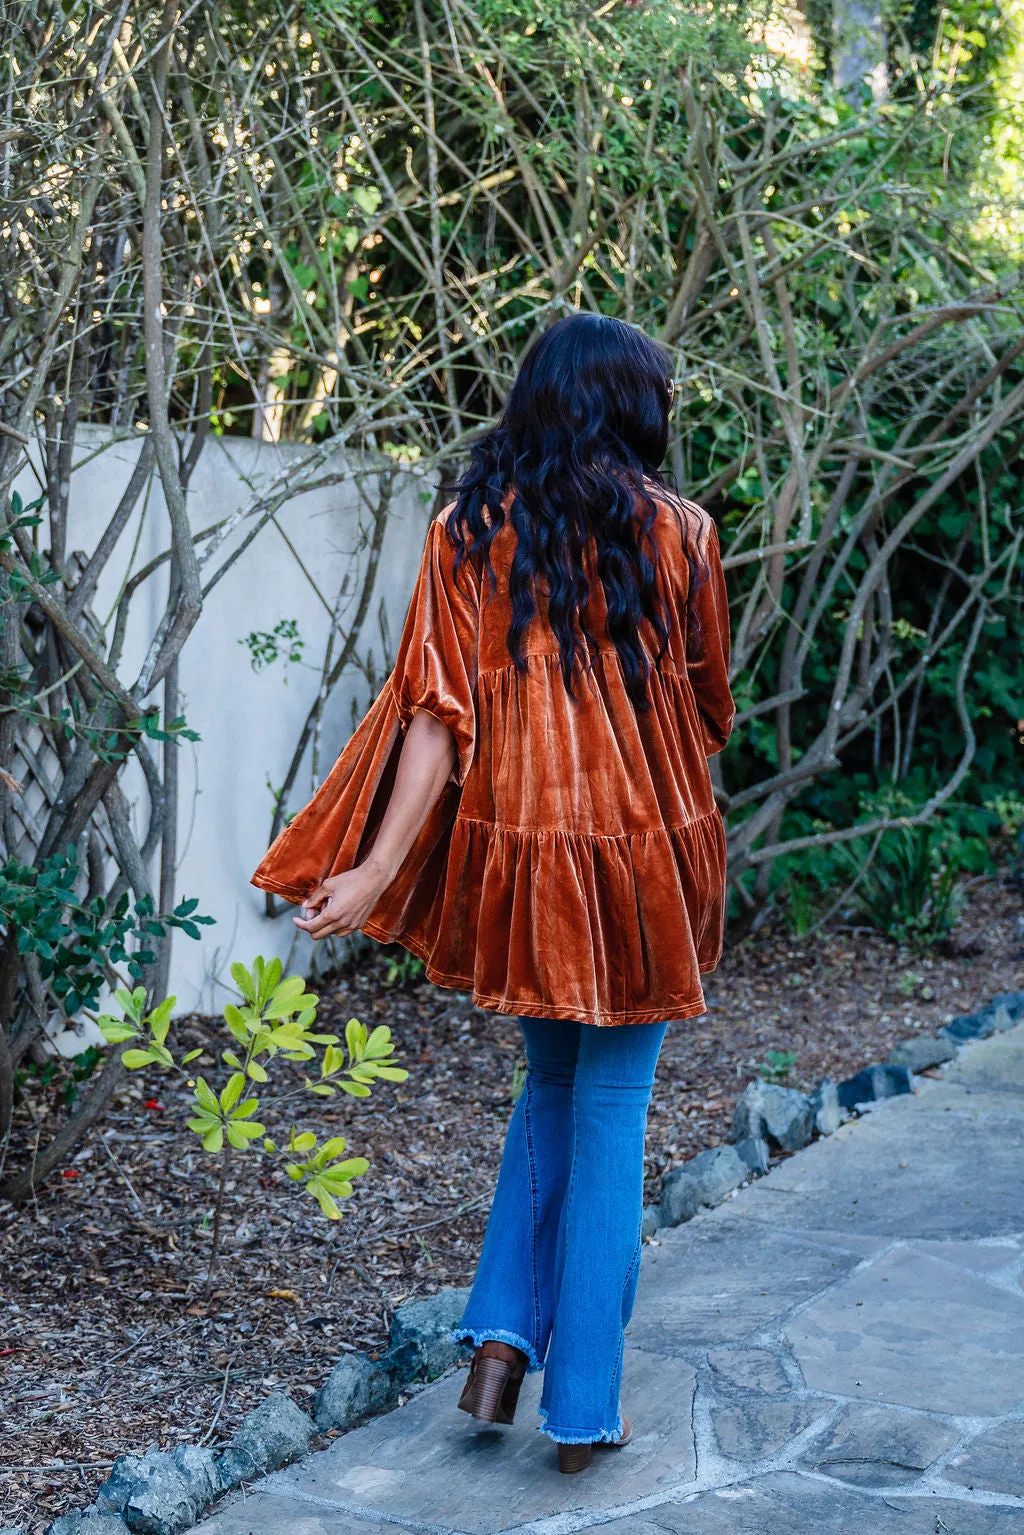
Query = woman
x=527 y=806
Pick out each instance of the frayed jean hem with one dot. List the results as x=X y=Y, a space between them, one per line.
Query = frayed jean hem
x=497 y=1335
x=582 y=1436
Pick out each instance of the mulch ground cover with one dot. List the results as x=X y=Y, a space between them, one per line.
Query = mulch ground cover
x=109 y=1340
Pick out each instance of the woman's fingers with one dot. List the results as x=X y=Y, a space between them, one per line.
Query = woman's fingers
x=338 y=905
x=333 y=919
x=317 y=909
x=325 y=922
x=322 y=927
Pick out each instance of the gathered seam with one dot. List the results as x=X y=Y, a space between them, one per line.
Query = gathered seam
x=550 y=656
x=585 y=836
x=688 y=1008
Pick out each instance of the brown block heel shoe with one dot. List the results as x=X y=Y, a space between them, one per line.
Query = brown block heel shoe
x=574 y=1457
x=491 y=1391
x=577 y=1457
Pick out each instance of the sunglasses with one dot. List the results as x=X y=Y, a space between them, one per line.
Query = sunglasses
x=671 y=383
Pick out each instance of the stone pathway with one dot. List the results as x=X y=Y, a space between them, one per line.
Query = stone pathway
x=836 y=1350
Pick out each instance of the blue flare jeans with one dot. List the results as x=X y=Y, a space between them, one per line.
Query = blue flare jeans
x=561 y=1256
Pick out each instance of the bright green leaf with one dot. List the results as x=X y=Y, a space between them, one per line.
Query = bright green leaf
x=232 y=1091
x=133 y=1059
x=325 y=1200
x=206 y=1098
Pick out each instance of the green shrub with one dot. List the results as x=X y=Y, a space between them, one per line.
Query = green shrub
x=274 y=1020
x=912 y=891
x=403 y=968
x=76 y=941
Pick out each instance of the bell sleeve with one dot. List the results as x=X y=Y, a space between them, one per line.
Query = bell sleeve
x=436 y=664
x=435 y=669
x=707 y=648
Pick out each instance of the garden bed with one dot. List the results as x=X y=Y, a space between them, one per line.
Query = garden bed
x=109 y=1340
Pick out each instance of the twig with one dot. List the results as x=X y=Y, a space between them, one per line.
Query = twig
x=66 y=1465
x=220 y=1404
x=4 y=1148
x=217 y=1212
x=441 y=1220
x=122 y=1174
x=146 y=1337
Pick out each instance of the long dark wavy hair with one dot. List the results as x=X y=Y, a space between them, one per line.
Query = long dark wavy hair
x=580 y=445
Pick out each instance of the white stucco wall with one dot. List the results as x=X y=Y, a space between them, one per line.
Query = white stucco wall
x=248 y=721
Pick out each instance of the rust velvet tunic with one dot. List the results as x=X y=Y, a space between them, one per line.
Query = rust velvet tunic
x=574 y=864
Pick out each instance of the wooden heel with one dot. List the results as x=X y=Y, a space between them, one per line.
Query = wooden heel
x=492 y=1386
x=574 y=1457
x=492 y=1377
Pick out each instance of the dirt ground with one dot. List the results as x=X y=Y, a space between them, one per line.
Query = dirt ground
x=108 y=1341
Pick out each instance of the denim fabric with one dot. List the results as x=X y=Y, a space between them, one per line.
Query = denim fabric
x=561 y=1255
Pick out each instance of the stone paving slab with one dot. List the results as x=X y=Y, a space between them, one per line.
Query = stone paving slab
x=993 y=1461
x=944 y=1162
x=430 y=1462
x=1000 y=1256
x=996 y=1064
x=909 y=1442
x=836 y=1350
x=784 y=1504
x=263 y=1512
x=887 y=1333
x=754 y=1429
x=748 y=1370
x=719 y=1278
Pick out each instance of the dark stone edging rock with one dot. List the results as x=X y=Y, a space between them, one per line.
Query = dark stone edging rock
x=167 y=1492
x=418 y=1349
x=772 y=1119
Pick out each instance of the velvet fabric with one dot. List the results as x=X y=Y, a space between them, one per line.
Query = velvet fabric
x=573 y=866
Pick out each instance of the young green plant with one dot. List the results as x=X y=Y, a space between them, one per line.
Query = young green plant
x=273 y=1021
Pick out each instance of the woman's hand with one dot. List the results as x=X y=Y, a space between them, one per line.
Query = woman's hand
x=342 y=903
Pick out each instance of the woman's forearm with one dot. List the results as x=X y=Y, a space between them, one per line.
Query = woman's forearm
x=342 y=902
x=424 y=765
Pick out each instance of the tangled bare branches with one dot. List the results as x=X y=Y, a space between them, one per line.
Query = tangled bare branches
x=339 y=223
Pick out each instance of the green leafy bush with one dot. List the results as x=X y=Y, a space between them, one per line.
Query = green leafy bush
x=911 y=892
x=75 y=941
x=908 y=882
x=274 y=1021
